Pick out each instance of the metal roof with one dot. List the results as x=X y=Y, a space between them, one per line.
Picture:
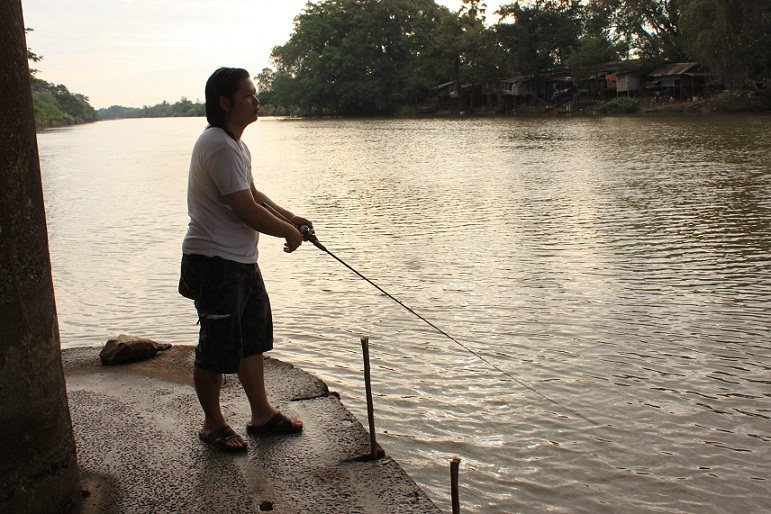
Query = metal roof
x=673 y=69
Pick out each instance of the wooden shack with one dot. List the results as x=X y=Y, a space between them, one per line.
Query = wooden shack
x=628 y=83
x=680 y=81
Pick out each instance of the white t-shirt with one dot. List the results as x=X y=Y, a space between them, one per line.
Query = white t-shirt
x=219 y=166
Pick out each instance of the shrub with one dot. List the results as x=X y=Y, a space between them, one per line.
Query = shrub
x=621 y=104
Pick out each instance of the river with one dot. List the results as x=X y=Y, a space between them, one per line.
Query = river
x=604 y=283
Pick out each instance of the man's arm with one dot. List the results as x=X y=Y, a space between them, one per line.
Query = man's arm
x=262 y=199
x=244 y=204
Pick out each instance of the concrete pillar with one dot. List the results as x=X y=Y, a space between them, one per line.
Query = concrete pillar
x=38 y=465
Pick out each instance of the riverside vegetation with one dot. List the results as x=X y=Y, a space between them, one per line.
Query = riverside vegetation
x=54 y=104
x=387 y=57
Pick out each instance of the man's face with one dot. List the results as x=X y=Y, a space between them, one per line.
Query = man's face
x=245 y=107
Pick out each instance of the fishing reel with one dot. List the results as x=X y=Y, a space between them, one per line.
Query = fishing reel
x=308 y=233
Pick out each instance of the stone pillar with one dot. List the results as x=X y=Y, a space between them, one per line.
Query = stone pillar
x=38 y=465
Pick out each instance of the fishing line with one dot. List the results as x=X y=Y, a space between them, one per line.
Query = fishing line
x=309 y=235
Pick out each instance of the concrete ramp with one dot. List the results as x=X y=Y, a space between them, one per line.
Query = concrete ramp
x=136 y=429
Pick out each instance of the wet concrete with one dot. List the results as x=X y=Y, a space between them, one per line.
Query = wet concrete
x=136 y=429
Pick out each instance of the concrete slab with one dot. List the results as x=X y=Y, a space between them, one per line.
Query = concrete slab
x=136 y=429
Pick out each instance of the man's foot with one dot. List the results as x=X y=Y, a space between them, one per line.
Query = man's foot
x=277 y=425
x=224 y=439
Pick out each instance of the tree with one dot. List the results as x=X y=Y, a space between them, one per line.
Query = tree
x=650 y=27
x=539 y=37
x=357 y=57
x=55 y=105
x=481 y=59
x=729 y=36
x=591 y=50
x=38 y=464
x=474 y=9
x=32 y=56
x=181 y=108
x=265 y=81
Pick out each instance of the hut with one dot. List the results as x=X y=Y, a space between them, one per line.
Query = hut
x=679 y=81
x=628 y=83
x=516 y=91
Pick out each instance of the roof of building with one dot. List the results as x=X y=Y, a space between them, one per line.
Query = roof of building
x=669 y=70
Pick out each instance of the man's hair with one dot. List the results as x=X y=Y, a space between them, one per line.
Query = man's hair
x=223 y=82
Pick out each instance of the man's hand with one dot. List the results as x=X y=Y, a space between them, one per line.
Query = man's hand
x=293 y=241
x=299 y=221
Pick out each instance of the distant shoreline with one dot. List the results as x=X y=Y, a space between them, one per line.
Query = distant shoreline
x=723 y=104
x=720 y=104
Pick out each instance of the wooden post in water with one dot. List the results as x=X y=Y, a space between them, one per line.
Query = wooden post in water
x=370 y=409
x=454 y=465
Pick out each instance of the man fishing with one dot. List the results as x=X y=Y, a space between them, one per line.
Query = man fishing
x=219 y=262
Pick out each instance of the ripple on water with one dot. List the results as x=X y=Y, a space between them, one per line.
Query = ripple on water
x=607 y=280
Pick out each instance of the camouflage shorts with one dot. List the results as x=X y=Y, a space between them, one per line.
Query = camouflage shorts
x=233 y=311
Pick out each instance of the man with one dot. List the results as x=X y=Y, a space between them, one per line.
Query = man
x=219 y=262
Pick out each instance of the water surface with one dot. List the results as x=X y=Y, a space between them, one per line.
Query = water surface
x=606 y=279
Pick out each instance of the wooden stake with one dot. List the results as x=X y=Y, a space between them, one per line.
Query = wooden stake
x=454 y=465
x=370 y=409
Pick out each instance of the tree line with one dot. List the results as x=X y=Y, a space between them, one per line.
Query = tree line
x=362 y=57
x=384 y=57
x=182 y=108
x=54 y=105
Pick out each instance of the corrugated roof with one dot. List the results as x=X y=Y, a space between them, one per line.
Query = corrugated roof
x=673 y=69
x=519 y=79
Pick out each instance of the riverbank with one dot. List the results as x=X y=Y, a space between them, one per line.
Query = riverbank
x=720 y=104
x=136 y=431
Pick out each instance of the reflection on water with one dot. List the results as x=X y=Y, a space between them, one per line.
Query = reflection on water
x=612 y=273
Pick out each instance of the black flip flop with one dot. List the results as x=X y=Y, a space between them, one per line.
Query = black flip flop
x=277 y=425
x=219 y=439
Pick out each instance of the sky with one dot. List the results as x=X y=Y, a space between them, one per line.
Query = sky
x=143 y=52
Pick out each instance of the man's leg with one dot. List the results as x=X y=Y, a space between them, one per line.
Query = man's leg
x=257 y=327
x=216 y=297
x=252 y=377
x=208 y=385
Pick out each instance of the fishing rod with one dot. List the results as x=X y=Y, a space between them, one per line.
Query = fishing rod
x=310 y=235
